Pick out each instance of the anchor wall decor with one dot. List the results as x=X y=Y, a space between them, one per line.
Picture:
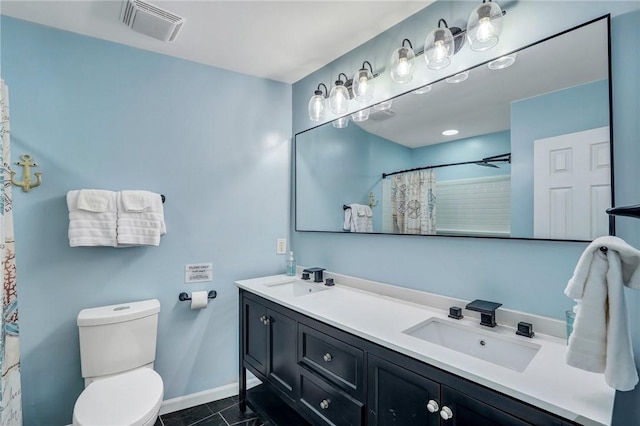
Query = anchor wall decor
x=26 y=184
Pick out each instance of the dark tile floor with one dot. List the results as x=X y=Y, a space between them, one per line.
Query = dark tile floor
x=224 y=412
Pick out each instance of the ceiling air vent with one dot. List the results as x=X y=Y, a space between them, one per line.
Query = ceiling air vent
x=151 y=20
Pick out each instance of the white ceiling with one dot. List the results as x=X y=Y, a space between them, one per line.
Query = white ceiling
x=279 y=40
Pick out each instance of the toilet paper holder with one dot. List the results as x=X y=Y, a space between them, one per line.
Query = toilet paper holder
x=185 y=296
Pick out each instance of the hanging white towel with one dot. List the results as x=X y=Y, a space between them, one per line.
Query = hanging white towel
x=140 y=218
x=358 y=218
x=92 y=218
x=601 y=341
x=347 y=219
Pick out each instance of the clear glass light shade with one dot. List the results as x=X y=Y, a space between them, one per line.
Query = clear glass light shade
x=361 y=115
x=438 y=48
x=422 y=90
x=484 y=26
x=339 y=99
x=458 y=78
x=341 y=122
x=401 y=65
x=502 y=62
x=317 y=107
x=383 y=106
x=363 y=85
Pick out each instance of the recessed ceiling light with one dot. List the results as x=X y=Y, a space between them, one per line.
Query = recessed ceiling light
x=450 y=132
x=502 y=62
x=458 y=78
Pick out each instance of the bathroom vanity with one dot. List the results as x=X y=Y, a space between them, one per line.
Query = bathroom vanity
x=344 y=356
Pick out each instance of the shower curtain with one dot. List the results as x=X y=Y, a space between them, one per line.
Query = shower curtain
x=413 y=197
x=11 y=391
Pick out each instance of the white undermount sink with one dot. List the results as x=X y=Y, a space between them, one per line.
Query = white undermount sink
x=509 y=352
x=297 y=287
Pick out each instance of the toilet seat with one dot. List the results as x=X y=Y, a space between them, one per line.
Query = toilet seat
x=128 y=399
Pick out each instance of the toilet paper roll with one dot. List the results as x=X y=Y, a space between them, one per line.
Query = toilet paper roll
x=199 y=299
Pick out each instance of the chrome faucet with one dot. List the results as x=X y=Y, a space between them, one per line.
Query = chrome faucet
x=487 y=311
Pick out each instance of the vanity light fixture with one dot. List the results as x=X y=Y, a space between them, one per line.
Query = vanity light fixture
x=484 y=26
x=362 y=115
x=439 y=47
x=502 y=62
x=341 y=122
x=383 y=106
x=363 y=84
x=401 y=63
x=317 y=104
x=458 y=78
x=422 y=90
x=339 y=96
x=451 y=132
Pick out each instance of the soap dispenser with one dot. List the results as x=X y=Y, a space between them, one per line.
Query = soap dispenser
x=291 y=265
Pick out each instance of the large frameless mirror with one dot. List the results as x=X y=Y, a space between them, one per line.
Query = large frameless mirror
x=531 y=157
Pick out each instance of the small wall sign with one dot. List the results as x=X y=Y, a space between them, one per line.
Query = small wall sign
x=198 y=272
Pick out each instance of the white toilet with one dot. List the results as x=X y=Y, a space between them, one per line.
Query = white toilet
x=117 y=350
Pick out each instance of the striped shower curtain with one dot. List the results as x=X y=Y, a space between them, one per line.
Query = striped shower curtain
x=11 y=391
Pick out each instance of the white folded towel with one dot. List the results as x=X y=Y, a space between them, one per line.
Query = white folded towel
x=601 y=341
x=94 y=200
x=138 y=225
x=136 y=201
x=358 y=218
x=92 y=218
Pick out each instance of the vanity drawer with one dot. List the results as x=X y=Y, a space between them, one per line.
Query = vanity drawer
x=333 y=359
x=326 y=404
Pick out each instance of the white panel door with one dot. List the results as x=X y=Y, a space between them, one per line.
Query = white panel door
x=572 y=185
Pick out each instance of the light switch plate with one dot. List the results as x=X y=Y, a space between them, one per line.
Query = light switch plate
x=281 y=246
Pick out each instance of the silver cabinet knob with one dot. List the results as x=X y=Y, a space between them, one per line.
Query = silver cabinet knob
x=324 y=404
x=267 y=321
x=327 y=357
x=446 y=413
x=432 y=406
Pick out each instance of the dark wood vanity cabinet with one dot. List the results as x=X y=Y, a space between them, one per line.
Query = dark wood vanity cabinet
x=404 y=391
x=269 y=346
x=315 y=374
x=398 y=396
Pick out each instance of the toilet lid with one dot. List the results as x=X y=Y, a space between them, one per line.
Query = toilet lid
x=128 y=399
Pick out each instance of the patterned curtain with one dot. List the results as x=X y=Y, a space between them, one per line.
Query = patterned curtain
x=413 y=197
x=11 y=402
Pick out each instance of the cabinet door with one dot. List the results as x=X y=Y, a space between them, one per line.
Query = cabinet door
x=283 y=370
x=469 y=411
x=482 y=407
x=398 y=396
x=255 y=335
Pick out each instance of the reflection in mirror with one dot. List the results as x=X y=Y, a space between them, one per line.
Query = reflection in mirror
x=520 y=148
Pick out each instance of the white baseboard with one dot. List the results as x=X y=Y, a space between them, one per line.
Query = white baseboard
x=209 y=395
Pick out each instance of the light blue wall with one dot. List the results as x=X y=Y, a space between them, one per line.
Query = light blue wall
x=565 y=111
x=96 y=114
x=524 y=275
x=342 y=166
x=468 y=149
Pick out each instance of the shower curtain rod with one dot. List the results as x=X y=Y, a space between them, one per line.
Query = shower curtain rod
x=502 y=158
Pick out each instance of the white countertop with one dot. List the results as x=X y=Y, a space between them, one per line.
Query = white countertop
x=547 y=382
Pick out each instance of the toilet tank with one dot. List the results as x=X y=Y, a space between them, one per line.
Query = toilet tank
x=117 y=338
